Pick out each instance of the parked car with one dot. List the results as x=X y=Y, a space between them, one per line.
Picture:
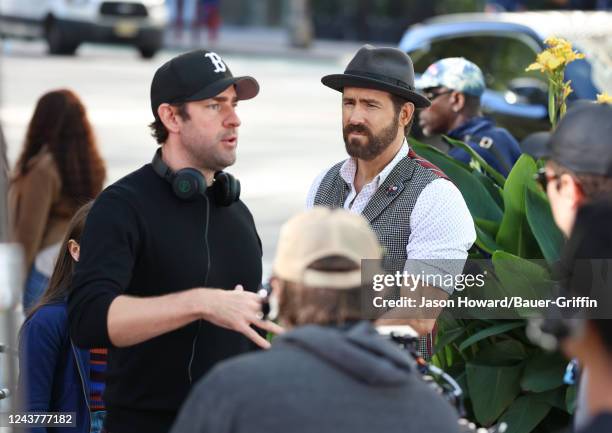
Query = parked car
x=65 y=24
x=504 y=44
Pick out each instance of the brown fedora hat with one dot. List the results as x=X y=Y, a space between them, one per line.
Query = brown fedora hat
x=387 y=69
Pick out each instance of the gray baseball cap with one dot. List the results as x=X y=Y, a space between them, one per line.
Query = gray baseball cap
x=582 y=140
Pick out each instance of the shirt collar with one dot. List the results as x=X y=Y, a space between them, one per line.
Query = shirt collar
x=349 y=168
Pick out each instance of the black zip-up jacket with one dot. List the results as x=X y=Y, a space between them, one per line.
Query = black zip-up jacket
x=142 y=240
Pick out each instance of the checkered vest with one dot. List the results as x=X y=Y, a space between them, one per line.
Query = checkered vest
x=389 y=209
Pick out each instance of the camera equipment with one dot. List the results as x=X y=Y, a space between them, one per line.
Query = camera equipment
x=435 y=377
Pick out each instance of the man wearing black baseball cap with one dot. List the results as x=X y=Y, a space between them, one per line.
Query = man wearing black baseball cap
x=414 y=209
x=170 y=255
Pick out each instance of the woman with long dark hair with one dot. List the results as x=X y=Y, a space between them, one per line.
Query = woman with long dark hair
x=59 y=169
x=55 y=375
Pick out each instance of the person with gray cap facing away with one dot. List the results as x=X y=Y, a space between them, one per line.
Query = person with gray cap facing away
x=454 y=86
x=416 y=212
x=331 y=371
x=171 y=257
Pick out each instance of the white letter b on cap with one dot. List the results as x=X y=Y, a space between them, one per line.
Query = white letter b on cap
x=217 y=62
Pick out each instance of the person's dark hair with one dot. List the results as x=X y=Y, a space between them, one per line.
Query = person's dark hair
x=398 y=103
x=61 y=278
x=60 y=123
x=592 y=185
x=158 y=129
x=300 y=305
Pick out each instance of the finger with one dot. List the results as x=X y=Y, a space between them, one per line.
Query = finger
x=239 y=288
x=255 y=337
x=269 y=326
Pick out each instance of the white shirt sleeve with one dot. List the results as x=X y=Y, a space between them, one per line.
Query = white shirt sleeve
x=441 y=231
x=312 y=192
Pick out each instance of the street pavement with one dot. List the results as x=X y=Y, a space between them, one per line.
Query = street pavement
x=289 y=133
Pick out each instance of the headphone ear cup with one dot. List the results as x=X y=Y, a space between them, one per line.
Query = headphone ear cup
x=188 y=183
x=227 y=189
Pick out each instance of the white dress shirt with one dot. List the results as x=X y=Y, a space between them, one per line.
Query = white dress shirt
x=441 y=226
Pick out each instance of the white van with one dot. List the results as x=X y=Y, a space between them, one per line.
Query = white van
x=67 y=23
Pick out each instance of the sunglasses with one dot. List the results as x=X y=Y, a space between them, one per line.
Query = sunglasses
x=431 y=94
x=542 y=178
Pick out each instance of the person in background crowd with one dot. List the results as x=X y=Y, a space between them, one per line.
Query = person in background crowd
x=207 y=14
x=579 y=169
x=56 y=376
x=454 y=86
x=332 y=372
x=504 y=6
x=171 y=257
x=4 y=173
x=417 y=213
x=589 y=338
x=59 y=169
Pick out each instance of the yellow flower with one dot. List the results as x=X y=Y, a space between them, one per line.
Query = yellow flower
x=567 y=89
x=549 y=61
x=604 y=98
x=558 y=54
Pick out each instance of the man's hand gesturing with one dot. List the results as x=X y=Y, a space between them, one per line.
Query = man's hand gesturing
x=238 y=310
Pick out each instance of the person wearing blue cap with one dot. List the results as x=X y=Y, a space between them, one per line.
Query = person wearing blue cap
x=454 y=86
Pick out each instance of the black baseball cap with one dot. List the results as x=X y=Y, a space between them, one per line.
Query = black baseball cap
x=194 y=76
x=582 y=140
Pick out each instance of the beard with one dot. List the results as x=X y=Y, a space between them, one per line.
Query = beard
x=374 y=144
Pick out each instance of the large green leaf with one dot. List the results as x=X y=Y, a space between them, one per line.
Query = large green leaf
x=502 y=353
x=543 y=372
x=542 y=224
x=496 y=175
x=479 y=201
x=492 y=187
x=491 y=227
x=485 y=241
x=525 y=414
x=570 y=399
x=521 y=277
x=514 y=235
x=489 y=332
x=492 y=389
x=554 y=397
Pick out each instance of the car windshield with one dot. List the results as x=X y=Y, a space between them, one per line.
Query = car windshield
x=502 y=58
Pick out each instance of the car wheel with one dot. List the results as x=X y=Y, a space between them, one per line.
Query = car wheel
x=58 y=42
x=147 y=52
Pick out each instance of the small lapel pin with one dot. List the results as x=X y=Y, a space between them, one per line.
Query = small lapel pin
x=392 y=190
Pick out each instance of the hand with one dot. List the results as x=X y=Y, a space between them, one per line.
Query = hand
x=238 y=310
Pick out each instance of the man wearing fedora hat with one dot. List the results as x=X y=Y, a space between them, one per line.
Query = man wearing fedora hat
x=416 y=212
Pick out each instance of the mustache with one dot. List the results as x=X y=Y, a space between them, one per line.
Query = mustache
x=357 y=128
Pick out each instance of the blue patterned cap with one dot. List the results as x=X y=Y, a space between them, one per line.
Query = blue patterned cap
x=454 y=73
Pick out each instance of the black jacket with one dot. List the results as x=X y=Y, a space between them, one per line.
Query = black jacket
x=141 y=240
